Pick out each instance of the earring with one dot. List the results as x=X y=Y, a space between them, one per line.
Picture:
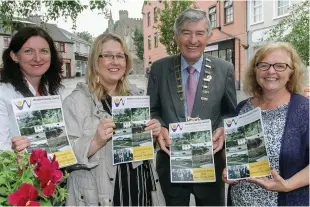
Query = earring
x=98 y=79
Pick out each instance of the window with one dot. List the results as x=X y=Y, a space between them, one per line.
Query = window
x=282 y=7
x=228 y=11
x=78 y=47
x=149 y=42
x=155 y=39
x=148 y=19
x=212 y=16
x=6 y=41
x=155 y=14
x=257 y=11
x=61 y=47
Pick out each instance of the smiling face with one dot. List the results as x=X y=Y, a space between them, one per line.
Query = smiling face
x=111 y=63
x=34 y=57
x=192 y=40
x=272 y=80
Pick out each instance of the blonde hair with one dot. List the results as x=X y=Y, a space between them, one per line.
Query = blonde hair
x=296 y=80
x=93 y=68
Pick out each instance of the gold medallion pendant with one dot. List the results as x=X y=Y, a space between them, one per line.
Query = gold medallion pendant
x=192 y=119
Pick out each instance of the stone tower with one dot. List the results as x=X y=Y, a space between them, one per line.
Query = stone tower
x=125 y=28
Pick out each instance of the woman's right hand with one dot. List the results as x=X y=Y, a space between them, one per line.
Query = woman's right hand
x=20 y=143
x=224 y=178
x=104 y=131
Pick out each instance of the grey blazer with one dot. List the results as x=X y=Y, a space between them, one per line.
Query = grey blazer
x=167 y=107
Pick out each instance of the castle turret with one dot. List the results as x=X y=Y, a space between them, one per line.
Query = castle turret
x=123 y=14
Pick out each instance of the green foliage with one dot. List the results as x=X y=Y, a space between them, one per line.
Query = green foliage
x=138 y=42
x=85 y=36
x=167 y=16
x=47 y=9
x=294 y=28
x=11 y=179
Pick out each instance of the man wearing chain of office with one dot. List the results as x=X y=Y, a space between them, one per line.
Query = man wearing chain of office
x=186 y=87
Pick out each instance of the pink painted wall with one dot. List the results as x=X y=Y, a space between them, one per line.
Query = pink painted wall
x=237 y=29
x=153 y=53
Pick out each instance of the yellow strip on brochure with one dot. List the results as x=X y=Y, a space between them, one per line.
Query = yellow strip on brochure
x=65 y=157
x=203 y=174
x=143 y=152
x=260 y=168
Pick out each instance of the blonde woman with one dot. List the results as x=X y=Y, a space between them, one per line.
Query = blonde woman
x=94 y=180
x=274 y=79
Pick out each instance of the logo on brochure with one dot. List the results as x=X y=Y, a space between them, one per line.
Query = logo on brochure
x=118 y=101
x=20 y=104
x=175 y=127
x=231 y=122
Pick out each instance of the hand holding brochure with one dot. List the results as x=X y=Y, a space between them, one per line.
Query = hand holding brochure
x=191 y=159
x=41 y=120
x=246 y=154
x=131 y=142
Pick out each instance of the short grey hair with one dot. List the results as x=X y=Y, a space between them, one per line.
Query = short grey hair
x=192 y=15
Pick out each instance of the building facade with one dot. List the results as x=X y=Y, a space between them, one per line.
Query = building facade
x=228 y=40
x=125 y=27
x=81 y=49
x=263 y=16
x=153 y=48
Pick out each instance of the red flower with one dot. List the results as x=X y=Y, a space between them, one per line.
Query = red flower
x=49 y=176
x=37 y=155
x=25 y=195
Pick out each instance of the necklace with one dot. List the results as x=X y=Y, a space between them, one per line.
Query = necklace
x=205 y=84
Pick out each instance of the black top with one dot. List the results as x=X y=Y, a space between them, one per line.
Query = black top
x=132 y=186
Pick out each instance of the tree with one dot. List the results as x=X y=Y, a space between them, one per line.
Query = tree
x=138 y=42
x=294 y=28
x=46 y=9
x=85 y=36
x=167 y=16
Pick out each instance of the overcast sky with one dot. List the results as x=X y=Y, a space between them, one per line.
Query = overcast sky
x=96 y=24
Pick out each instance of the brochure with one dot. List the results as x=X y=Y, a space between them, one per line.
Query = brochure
x=191 y=159
x=246 y=154
x=41 y=120
x=131 y=142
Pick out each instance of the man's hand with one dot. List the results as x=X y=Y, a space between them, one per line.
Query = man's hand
x=164 y=140
x=218 y=139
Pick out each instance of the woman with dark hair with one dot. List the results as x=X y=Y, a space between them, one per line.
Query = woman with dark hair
x=31 y=67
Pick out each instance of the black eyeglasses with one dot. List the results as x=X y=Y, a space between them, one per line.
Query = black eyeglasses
x=277 y=66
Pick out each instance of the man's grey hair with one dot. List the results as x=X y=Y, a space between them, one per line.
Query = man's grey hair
x=191 y=15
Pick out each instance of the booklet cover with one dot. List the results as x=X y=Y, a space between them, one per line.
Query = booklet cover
x=191 y=159
x=131 y=142
x=246 y=154
x=41 y=120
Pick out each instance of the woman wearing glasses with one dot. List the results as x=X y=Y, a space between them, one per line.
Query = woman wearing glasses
x=94 y=180
x=274 y=79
